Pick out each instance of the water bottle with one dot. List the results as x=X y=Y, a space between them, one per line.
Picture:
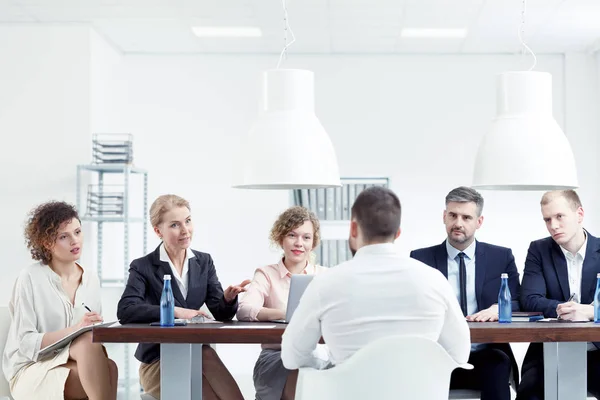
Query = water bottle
x=504 y=301
x=167 y=304
x=597 y=301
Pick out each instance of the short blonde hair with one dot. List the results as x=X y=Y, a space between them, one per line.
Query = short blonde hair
x=291 y=219
x=570 y=195
x=164 y=204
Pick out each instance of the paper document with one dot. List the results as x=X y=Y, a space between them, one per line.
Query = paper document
x=199 y=319
x=247 y=326
x=57 y=346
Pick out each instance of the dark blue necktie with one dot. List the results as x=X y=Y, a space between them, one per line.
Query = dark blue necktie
x=462 y=273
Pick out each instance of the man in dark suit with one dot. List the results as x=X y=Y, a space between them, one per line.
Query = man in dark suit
x=558 y=268
x=474 y=268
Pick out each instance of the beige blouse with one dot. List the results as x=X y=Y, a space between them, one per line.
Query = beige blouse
x=270 y=288
x=38 y=305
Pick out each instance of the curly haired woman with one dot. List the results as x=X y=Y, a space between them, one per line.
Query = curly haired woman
x=47 y=304
x=297 y=232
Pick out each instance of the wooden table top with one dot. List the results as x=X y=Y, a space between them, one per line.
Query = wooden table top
x=270 y=333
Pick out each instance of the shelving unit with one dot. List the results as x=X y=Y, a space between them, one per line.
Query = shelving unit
x=125 y=170
x=333 y=208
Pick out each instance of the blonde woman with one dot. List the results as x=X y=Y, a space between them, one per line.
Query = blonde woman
x=195 y=282
x=297 y=232
x=47 y=304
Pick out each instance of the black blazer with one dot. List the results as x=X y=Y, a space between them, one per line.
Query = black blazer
x=140 y=302
x=546 y=278
x=490 y=262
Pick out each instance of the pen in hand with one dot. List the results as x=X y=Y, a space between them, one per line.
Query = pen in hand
x=86 y=307
x=571 y=298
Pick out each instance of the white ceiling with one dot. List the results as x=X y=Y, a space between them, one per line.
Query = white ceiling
x=325 y=26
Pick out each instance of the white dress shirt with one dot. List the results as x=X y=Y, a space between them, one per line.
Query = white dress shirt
x=454 y=275
x=575 y=268
x=182 y=280
x=574 y=271
x=39 y=305
x=376 y=294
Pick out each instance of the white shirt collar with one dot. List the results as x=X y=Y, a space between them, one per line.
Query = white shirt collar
x=453 y=251
x=165 y=257
x=581 y=251
x=378 y=248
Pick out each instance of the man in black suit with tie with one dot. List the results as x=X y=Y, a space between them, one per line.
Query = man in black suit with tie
x=474 y=268
x=558 y=268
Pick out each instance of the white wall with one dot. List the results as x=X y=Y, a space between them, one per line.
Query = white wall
x=44 y=127
x=416 y=119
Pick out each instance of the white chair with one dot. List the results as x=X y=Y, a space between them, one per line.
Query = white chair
x=4 y=325
x=415 y=367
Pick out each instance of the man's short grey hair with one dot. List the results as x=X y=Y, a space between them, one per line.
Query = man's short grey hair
x=465 y=194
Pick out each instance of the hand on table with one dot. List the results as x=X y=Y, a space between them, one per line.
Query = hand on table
x=186 y=313
x=488 y=315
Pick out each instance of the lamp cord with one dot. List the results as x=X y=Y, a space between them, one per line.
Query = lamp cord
x=286 y=28
x=522 y=35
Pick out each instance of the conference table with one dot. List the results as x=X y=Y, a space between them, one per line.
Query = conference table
x=565 y=349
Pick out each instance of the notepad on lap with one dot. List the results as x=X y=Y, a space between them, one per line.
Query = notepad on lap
x=57 y=346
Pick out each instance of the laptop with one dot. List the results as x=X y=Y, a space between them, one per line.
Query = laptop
x=298 y=285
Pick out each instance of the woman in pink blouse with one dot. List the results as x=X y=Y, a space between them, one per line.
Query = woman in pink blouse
x=297 y=232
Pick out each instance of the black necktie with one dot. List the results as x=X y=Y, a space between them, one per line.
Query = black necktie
x=462 y=273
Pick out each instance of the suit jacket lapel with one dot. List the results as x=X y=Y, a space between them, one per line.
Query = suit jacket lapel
x=163 y=268
x=560 y=265
x=441 y=259
x=480 y=262
x=591 y=267
x=195 y=299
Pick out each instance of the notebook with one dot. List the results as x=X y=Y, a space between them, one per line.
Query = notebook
x=55 y=347
x=298 y=285
x=522 y=316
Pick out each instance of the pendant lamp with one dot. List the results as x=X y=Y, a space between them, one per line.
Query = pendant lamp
x=524 y=149
x=287 y=148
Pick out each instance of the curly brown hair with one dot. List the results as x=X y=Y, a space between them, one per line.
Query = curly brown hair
x=42 y=227
x=291 y=219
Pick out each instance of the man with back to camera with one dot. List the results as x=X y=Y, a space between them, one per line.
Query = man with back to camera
x=557 y=268
x=473 y=268
x=411 y=299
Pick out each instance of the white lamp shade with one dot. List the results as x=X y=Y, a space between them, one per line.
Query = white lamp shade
x=288 y=148
x=524 y=149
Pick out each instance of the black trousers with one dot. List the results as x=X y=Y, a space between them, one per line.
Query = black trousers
x=490 y=374
x=532 y=374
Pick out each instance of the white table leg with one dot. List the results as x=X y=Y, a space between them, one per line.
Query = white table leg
x=180 y=371
x=565 y=370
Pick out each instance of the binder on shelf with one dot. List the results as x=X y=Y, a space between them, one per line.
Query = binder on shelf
x=105 y=200
x=112 y=148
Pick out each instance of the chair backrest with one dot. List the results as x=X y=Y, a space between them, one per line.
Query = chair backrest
x=409 y=367
x=4 y=326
